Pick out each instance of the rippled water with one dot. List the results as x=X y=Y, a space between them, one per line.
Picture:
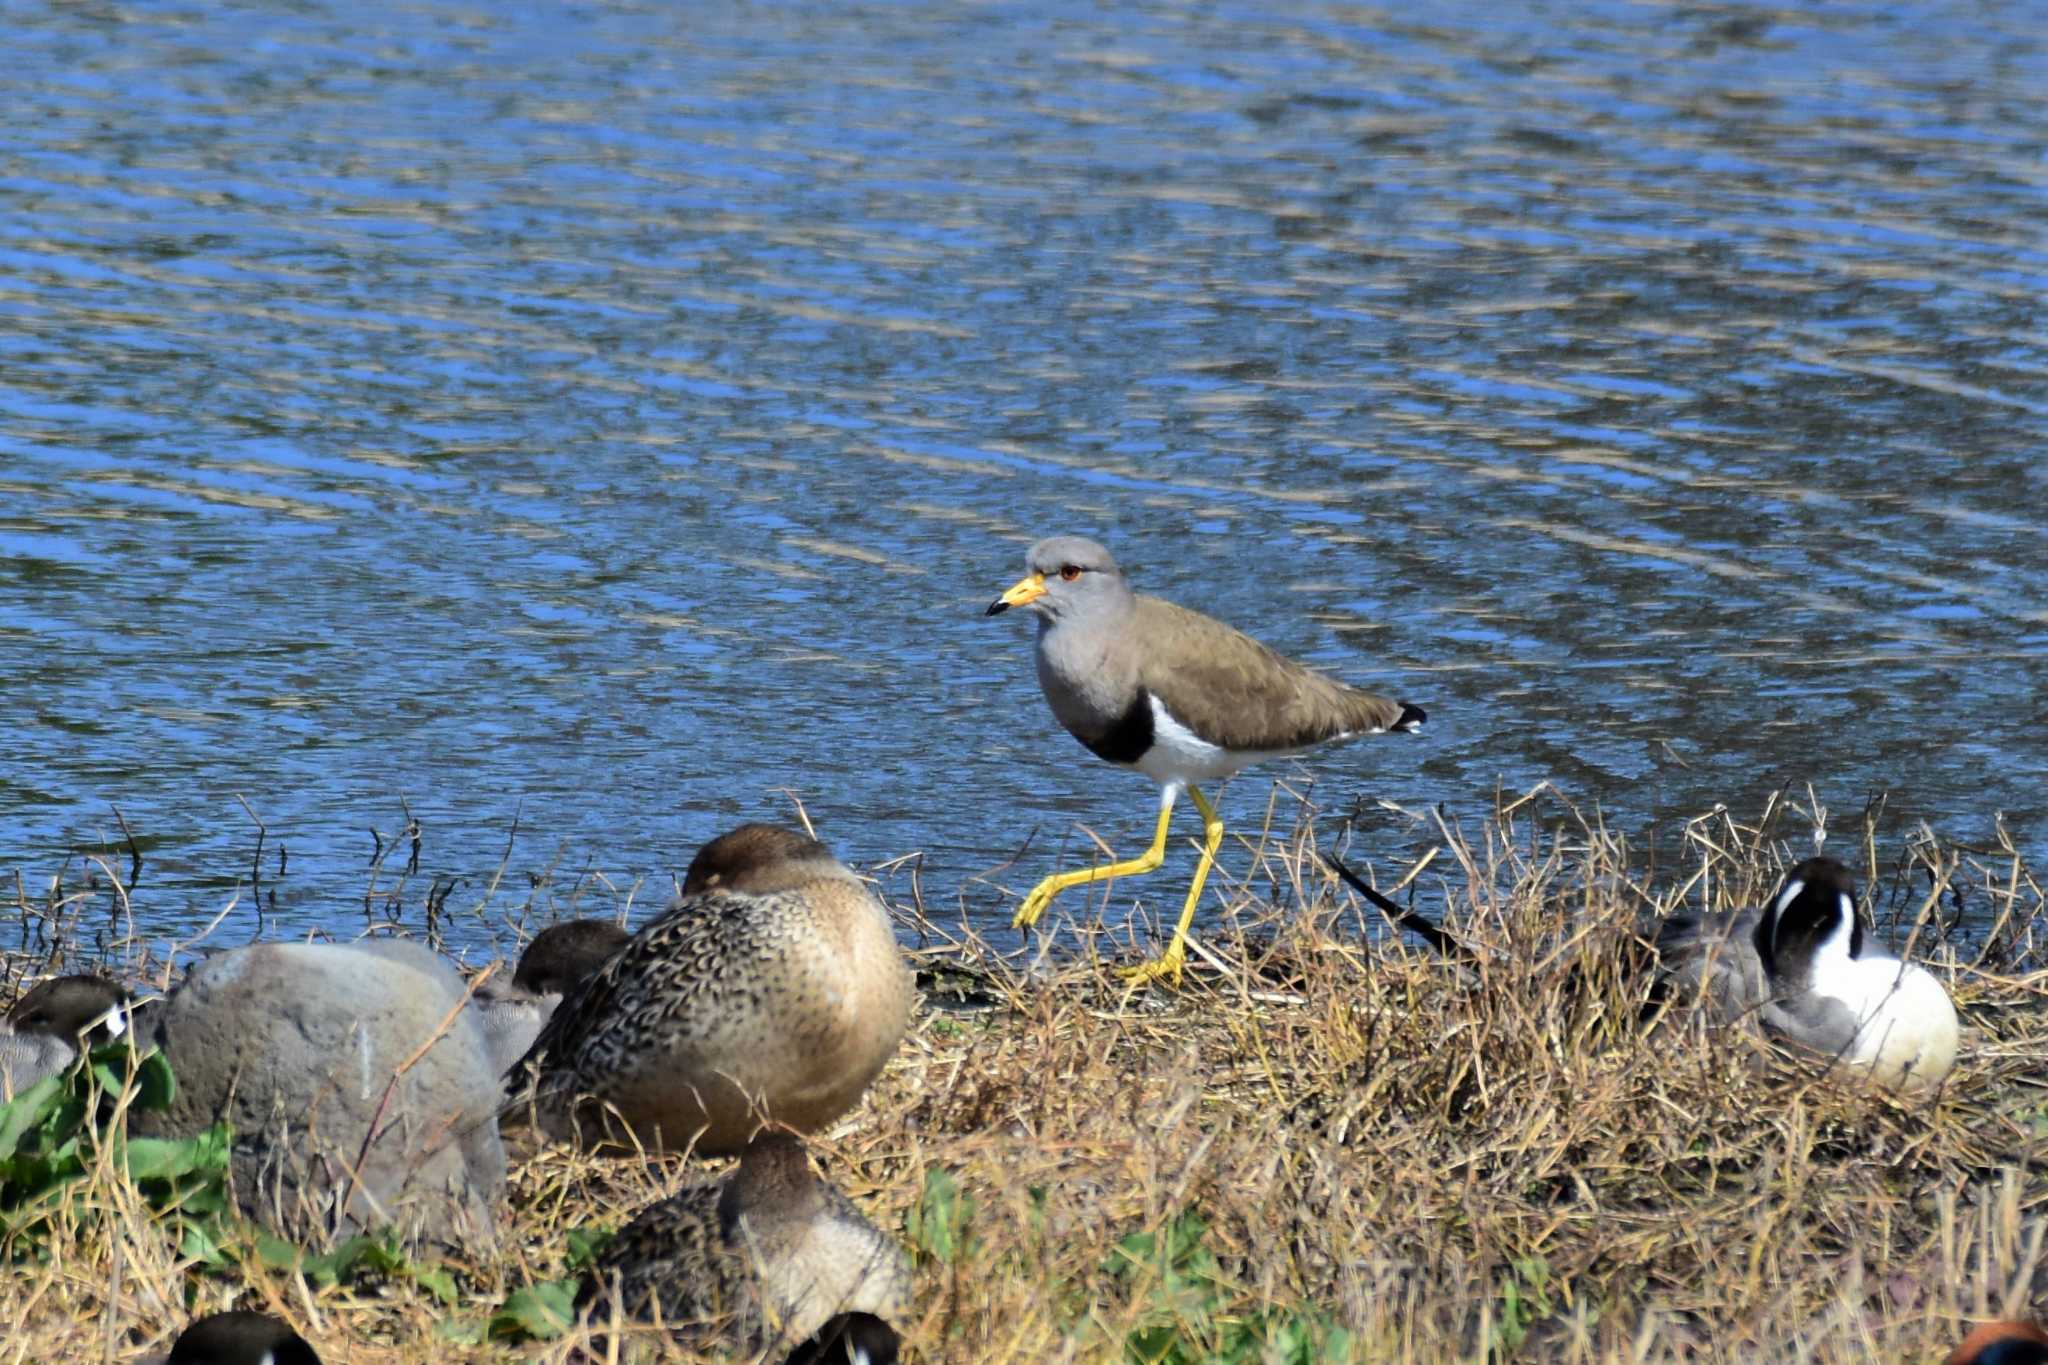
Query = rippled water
x=607 y=417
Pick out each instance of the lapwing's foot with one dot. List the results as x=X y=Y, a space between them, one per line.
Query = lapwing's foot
x=1034 y=904
x=1165 y=967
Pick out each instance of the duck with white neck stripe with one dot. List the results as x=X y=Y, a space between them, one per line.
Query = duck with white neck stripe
x=1804 y=966
x=42 y=1033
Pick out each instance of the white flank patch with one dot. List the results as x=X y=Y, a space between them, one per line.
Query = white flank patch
x=1904 y=1018
x=1180 y=755
x=1903 y=1013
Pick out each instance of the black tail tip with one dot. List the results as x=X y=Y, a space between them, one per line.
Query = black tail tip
x=1411 y=719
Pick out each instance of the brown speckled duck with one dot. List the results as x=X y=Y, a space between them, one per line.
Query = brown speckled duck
x=770 y=1259
x=771 y=990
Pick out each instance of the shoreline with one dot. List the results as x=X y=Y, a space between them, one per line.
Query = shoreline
x=1331 y=1144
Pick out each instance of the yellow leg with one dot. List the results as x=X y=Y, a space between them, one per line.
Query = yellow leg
x=1042 y=894
x=1169 y=963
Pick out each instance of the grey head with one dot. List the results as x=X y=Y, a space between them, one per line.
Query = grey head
x=508 y=1023
x=824 y=1267
x=563 y=956
x=1812 y=916
x=1068 y=578
x=66 y=1006
x=757 y=859
x=774 y=1188
x=241 y=1337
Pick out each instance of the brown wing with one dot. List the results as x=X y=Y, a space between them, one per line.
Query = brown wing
x=1233 y=691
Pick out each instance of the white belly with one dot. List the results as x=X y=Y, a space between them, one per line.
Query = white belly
x=1179 y=756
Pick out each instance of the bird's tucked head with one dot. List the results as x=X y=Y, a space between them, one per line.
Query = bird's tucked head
x=1812 y=923
x=562 y=956
x=1066 y=575
x=67 y=1006
x=2002 y=1343
x=758 y=859
x=241 y=1337
x=774 y=1187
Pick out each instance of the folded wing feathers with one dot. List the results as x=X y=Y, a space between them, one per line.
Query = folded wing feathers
x=1234 y=691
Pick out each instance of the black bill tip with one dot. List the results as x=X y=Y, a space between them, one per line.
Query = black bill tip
x=997 y=608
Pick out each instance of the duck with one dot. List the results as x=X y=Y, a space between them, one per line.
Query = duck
x=240 y=1337
x=560 y=957
x=563 y=955
x=768 y=1260
x=45 y=1026
x=772 y=989
x=2002 y=1343
x=1805 y=967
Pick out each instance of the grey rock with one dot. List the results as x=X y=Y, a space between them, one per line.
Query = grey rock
x=303 y=1048
x=418 y=956
x=507 y=1015
x=506 y=1018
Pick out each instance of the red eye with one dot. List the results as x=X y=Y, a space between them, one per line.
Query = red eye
x=1070 y=572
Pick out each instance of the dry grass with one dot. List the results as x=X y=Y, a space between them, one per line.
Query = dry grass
x=1451 y=1160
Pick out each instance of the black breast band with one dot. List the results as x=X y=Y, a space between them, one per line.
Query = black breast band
x=1129 y=735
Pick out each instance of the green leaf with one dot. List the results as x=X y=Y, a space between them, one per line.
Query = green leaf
x=169 y=1158
x=937 y=1224
x=111 y=1066
x=63 y=1123
x=461 y=1331
x=436 y=1280
x=543 y=1311
x=277 y=1253
x=155 y=1086
x=584 y=1245
x=1184 y=1241
x=27 y=1111
x=1154 y=1345
x=361 y=1252
x=201 y=1242
x=1128 y=1254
